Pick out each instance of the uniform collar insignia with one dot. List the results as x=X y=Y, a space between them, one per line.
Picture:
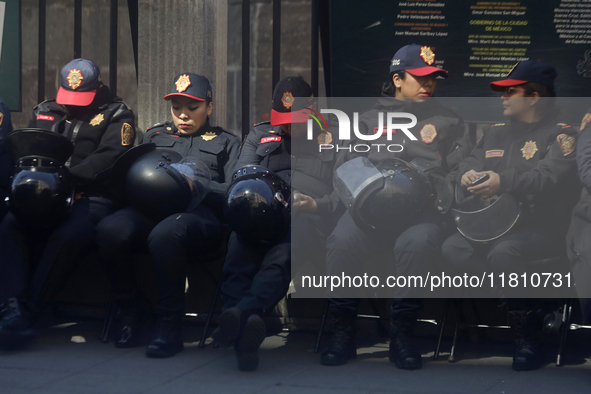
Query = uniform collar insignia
x=97 y=120
x=210 y=135
x=529 y=149
x=324 y=138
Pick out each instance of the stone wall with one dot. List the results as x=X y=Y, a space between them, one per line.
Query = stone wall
x=295 y=54
x=60 y=48
x=296 y=19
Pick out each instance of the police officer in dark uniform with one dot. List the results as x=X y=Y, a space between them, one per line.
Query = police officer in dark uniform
x=180 y=238
x=532 y=158
x=101 y=128
x=5 y=159
x=579 y=232
x=256 y=276
x=442 y=143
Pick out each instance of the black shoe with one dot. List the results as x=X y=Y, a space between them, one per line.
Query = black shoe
x=168 y=339
x=528 y=355
x=403 y=351
x=15 y=325
x=229 y=324
x=341 y=345
x=133 y=316
x=248 y=343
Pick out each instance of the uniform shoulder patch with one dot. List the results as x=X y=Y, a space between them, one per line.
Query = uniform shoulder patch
x=428 y=133
x=219 y=129
x=156 y=125
x=567 y=144
x=127 y=134
x=586 y=119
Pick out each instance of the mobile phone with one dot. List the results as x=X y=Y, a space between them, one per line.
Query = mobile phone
x=479 y=180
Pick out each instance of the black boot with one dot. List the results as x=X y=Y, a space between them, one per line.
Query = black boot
x=250 y=339
x=15 y=325
x=168 y=339
x=133 y=316
x=341 y=345
x=403 y=351
x=528 y=355
x=230 y=324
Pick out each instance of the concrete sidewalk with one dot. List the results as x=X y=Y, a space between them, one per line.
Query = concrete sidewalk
x=53 y=363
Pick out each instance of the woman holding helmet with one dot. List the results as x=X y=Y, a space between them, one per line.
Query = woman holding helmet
x=172 y=240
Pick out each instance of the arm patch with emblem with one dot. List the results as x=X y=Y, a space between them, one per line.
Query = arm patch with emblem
x=126 y=134
x=567 y=144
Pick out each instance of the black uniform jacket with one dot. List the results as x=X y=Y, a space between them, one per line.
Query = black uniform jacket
x=441 y=137
x=216 y=147
x=579 y=239
x=536 y=164
x=100 y=133
x=298 y=161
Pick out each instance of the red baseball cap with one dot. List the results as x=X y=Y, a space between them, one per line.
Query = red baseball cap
x=535 y=71
x=80 y=79
x=416 y=60
x=292 y=100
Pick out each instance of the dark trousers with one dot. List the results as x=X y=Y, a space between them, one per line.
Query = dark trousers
x=172 y=243
x=510 y=253
x=36 y=262
x=414 y=251
x=257 y=276
x=579 y=253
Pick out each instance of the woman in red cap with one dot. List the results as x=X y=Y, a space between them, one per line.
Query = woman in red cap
x=256 y=275
x=532 y=158
x=100 y=128
x=188 y=235
x=413 y=247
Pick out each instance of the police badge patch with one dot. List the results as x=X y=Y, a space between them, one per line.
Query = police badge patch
x=182 y=83
x=1 y=118
x=428 y=133
x=210 y=135
x=97 y=120
x=126 y=134
x=567 y=144
x=287 y=100
x=529 y=149
x=427 y=55
x=324 y=138
x=75 y=78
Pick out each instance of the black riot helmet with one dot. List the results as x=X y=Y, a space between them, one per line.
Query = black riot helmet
x=386 y=197
x=41 y=190
x=160 y=182
x=482 y=220
x=257 y=204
